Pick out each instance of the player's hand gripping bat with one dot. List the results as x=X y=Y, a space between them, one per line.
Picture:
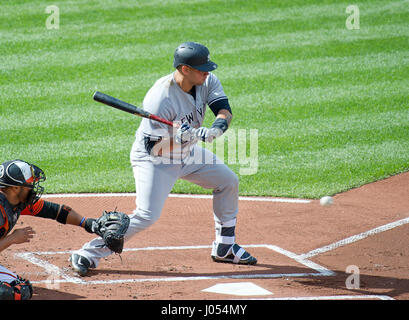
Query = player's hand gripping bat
x=127 y=107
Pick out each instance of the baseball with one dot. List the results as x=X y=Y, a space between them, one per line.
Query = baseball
x=326 y=201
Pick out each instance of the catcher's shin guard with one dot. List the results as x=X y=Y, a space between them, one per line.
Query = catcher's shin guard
x=19 y=289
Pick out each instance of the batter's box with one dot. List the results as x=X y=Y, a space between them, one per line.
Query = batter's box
x=182 y=263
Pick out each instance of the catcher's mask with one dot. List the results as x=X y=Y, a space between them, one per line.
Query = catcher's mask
x=19 y=173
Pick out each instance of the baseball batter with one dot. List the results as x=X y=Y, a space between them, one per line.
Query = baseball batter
x=160 y=156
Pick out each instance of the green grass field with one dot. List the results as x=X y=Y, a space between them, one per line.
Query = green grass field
x=331 y=105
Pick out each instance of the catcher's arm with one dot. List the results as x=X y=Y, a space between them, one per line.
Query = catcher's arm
x=59 y=212
x=74 y=218
x=111 y=226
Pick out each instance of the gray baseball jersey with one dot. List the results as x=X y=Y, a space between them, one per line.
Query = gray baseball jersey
x=167 y=100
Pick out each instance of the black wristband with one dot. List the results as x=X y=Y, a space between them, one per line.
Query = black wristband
x=221 y=124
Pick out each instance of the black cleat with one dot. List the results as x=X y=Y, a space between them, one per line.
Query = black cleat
x=235 y=254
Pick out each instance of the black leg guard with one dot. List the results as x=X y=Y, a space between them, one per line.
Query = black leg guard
x=6 y=291
x=19 y=289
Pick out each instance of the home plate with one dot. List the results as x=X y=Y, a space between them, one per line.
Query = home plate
x=238 y=289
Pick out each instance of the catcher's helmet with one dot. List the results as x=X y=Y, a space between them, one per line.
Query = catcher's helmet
x=22 y=174
x=194 y=55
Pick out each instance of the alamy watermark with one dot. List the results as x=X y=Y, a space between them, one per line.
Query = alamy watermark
x=52 y=281
x=53 y=20
x=242 y=149
x=234 y=147
x=352 y=21
x=353 y=281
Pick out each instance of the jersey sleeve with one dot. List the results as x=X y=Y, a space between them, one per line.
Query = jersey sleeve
x=33 y=210
x=48 y=210
x=216 y=99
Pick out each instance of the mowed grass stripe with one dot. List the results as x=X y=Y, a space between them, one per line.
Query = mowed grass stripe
x=316 y=95
x=323 y=140
x=101 y=42
x=316 y=133
x=75 y=146
x=49 y=54
x=332 y=170
x=293 y=69
x=84 y=130
x=340 y=158
x=162 y=16
x=309 y=67
x=336 y=124
x=58 y=116
x=389 y=124
x=315 y=173
x=277 y=81
x=78 y=174
x=276 y=102
x=40 y=88
x=22 y=7
x=126 y=66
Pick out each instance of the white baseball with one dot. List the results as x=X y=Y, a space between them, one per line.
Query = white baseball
x=326 y=201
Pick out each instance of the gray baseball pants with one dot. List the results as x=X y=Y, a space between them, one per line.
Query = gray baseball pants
x=154 y=180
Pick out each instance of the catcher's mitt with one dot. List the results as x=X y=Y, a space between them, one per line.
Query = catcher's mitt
x=111 y=227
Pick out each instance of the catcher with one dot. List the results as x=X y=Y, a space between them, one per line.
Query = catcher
x=20 y=194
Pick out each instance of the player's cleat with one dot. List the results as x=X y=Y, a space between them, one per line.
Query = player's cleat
x=234 y=254
x=80 y=264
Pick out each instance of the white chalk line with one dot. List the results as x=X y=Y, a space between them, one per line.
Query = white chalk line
x=172 y=195
x=54 y=272
x=66 y=278
x=354 y=238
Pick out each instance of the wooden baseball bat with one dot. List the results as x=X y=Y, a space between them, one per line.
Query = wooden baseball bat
x=127 y=107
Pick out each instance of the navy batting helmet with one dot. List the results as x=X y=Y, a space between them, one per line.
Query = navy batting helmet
x=194 y=55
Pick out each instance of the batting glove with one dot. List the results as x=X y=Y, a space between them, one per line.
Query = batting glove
x=184 y=134
x=206 y=134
